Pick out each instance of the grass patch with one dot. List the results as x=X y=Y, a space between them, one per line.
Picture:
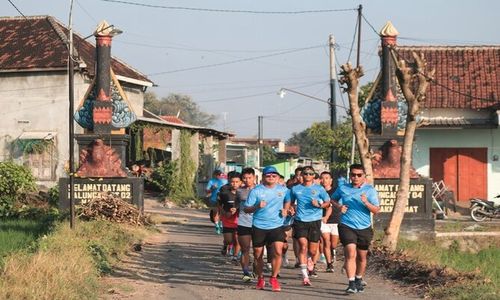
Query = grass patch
x=21 y=235
x=68 y=262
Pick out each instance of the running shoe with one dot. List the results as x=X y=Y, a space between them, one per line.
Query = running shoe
x=268 y=268
x=297 y=265
x=310 y=264
x=306 y=282
x=313 y=273
x=260 y=283
x=285 y=263
x=223 y=251
x=273 y=281
x=247 y=277
x=322 y=258
x=235 y=260
x=351 y=288
x=359 y=285
x=329 y=268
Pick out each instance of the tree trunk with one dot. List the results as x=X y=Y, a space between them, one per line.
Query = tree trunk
x=405 y=76
x=350 y=77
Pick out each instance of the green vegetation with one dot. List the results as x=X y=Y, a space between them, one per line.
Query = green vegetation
x=67 y=263
x=485 y=263
x=20 y=234
x=14 y=181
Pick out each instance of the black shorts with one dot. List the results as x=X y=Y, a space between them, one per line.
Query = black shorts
x=228 y=230
x=361 y=237
x=309 y=230
x=242 y=230
x=287 y=227
x=262 y=237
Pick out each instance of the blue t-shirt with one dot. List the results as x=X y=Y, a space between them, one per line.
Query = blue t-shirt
x=357 y=215
x=268 y=217
x=214 y=184
x=303 y=195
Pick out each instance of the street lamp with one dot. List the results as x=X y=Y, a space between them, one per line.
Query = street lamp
x=282 y=93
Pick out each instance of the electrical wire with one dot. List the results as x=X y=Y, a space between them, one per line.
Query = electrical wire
x=233 y=61
x=231 y=10
x=369 y=24
x=353 y=39
x=17 y=9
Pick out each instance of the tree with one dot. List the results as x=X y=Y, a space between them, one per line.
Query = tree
x=183 y=105
x=269 y=155
x=350 y=78
x=317 y=141
x=414 y=82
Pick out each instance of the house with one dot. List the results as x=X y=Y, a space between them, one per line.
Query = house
x=458 y=138
x=34 y=93
x=158 y=138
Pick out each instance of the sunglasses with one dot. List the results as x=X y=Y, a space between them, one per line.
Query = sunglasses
x=356 y=174
x=308 y=173
x=271 y=175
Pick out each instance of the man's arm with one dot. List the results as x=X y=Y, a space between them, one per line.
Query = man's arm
x=371 y=201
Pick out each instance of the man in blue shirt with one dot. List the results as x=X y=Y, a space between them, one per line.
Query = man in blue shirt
x=212 y=189
x=309 y=199
x=269 y=204
x=357 y=201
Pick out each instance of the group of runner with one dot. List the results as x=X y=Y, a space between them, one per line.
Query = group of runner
x=307 y=208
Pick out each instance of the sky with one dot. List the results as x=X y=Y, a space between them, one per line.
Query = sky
x=233 y=63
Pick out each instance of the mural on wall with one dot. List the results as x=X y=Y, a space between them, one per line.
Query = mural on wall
x=122 y=116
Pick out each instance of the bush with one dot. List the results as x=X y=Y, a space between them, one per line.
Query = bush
x=164 y=177
x=14 y=181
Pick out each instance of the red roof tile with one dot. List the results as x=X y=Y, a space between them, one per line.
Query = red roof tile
x=466 y=76
x=39 y=43
x=172 y=119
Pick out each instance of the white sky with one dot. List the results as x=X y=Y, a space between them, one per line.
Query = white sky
x=159 y=40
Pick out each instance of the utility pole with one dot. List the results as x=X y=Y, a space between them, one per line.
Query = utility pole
x=332 y=102
x=261 y=142
x=70 y=119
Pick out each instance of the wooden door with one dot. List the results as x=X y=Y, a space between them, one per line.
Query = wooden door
x=463 y=170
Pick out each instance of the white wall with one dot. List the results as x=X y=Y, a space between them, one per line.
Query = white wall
x=39 y=102
x=459 y=138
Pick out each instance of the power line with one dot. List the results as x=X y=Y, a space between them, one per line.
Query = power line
x=17 y=9
x=369 y=24
x=231 y=10
x=353 y=39
x=233 y=61
x=252 y=95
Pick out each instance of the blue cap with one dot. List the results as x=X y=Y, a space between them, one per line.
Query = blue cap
x=270 y=169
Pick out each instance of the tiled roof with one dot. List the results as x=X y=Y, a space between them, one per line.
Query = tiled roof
x=38 y=43
x=172 y=119
x=461 y=71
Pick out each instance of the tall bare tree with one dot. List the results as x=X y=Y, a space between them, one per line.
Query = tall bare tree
x=414 y=80
x=350 y=78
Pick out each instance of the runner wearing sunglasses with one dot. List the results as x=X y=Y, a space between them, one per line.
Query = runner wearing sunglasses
x=356 y=201
x=309 y=199
x=269 y=203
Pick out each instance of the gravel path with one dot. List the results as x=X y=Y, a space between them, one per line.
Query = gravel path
x=183 y=262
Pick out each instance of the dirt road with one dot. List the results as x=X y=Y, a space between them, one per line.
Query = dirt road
x=184 y=262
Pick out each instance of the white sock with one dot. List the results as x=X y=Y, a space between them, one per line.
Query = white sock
x=303 y=270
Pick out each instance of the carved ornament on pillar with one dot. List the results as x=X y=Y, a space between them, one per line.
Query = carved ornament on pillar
x=386 y=161
x=100 y=160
